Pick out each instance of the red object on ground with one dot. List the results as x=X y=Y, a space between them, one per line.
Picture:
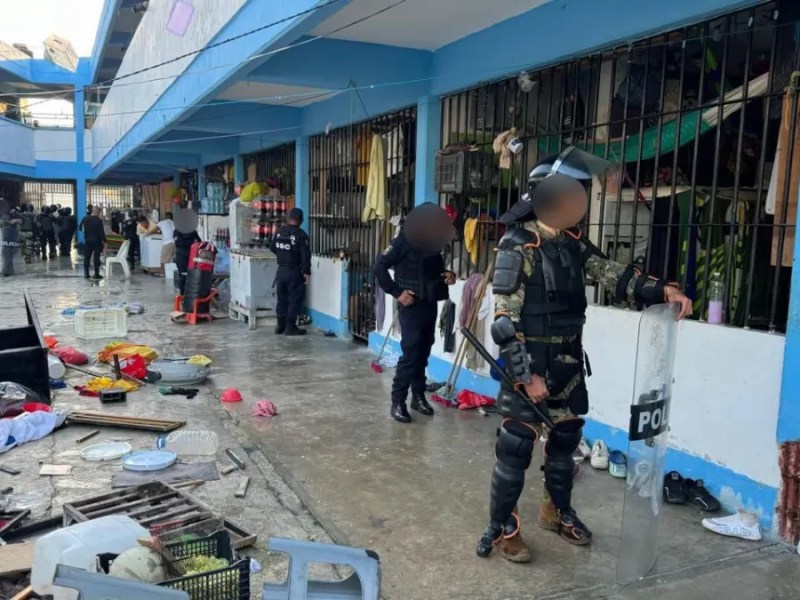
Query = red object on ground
x=29 y=407
x=70 y=355
x=135 y=366
x=231 y=395
x=265 y=408
x=467 y=399
x=50 y=341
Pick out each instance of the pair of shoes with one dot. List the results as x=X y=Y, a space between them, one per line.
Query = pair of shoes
x=742 y=524
x=616 y=462
x=567 y=525
x=582 y=452
x=678 y=490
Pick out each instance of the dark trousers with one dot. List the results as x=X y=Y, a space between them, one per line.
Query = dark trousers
x=135 y=251
x=91 y=253
x=418 y=332
x=291 y=289
x=65 y=242
x=48 y=239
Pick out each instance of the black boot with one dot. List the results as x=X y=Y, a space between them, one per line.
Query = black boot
x=280 y=328
x=399 y=412
x=420 y=404
x=97 y=275
x=86 y=274
x=293 y=329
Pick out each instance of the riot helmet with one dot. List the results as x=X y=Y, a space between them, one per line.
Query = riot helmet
x=560 y=172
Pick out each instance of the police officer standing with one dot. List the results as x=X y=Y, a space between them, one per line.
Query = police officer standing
x=420 y=282
x=291 y=246
x=540 y=295
x=47 y=229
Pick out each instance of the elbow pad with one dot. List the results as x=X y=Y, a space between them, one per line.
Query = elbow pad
x=508 y=269
x=512 y=349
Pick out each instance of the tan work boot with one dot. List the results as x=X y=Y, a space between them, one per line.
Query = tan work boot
x=514 y=548
x=568 y=526
x=548 y=516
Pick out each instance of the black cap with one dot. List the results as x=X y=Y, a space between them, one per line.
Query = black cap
x=296 y=214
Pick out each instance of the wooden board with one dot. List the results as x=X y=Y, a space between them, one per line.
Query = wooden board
x=24 y=594
x=55 y=469
x=124 y=422
x=16 y=558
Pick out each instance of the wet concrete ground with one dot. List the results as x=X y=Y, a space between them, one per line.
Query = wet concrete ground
x=332 y=465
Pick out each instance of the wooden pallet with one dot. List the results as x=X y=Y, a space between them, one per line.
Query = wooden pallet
x=263 y=316
x=152 y=504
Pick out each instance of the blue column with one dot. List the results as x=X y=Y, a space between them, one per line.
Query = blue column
x=238 y=169
x=176 y=179
x=79 y=122
x=789 y=411
x=429 y=135
x=302 y=196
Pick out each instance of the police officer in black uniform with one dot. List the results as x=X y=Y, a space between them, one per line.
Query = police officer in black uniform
x=47 y=229
x=420 y=282
x=291 y=246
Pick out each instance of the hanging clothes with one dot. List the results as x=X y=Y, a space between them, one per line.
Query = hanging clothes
x=472 y=239
x=447 y=323
x=363 y=150
x=500 y=146
x=376 y=207
x=395 y=151
x=469 y=298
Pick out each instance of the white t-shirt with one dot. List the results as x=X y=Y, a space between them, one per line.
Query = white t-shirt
x=167 y=228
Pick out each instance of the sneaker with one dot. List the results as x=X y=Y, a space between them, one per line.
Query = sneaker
x=618 y=465
x=584 y=449
x=599 y=455
x=697 y=493
x=674 y=491
x=743 y=525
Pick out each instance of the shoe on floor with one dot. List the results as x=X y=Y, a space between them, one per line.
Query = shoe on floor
x=584 y=449
x=513 y=549
x=420 y=404
x=742 y=524
x=674 y=491
x=697 y=493
x=599 y=455
x=399 y=412
x=618 y=465
x=292 y=329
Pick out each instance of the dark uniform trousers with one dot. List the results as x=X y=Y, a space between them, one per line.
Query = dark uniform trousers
x=418 y=332
x=291 y=289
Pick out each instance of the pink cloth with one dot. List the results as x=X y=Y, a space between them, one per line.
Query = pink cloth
x=265 y=408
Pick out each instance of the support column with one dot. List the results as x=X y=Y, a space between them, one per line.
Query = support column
x=429 y=136
x=79 y=122
x=238 y=169
x=302 y=193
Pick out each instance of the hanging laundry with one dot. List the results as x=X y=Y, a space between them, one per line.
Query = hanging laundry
x=447 y=323
x=472 y=239
x=376 y=207
x=500 y=146
x=363 y=149
x=394 y=153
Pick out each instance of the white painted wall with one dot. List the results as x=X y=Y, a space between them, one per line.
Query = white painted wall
x=88 y=145
x=726 y=393
x=55 y=144
x=16 y=143
x=151 y=45
x=325 y=286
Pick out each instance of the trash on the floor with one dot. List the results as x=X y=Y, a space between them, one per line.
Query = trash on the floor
x=135 y=366
x=95 y=385
x=30 y=407
x=265 y=408
x=148 y=460
x=241 y=491
x=105 y=451
x=70 y=355
x=13 y=396
x=468 y=399
x=599 y=456
x=113 y=396
x=229 y=469
x=14 y=520
x=741 y=524
x=123 y=422
x=434 y=386
x=16 y=558
x=189 y=393
x=55 y=469
x=187 y=441
x=177 y=372
x=135 y=308
x=10 y=470
x=69 y=311
x=446 y=402
x=55 y=368
x=330 y=333
x=230 y=395
x=198 y=359
x=125 y=350
x=27 y=428
x=50 y=341
x=191 y=483
x=255 y=566
x=87 y=436
x=235 y=458
x=177 y=473
x=57 y=384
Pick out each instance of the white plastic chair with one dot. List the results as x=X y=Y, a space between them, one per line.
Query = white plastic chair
x=121 y=259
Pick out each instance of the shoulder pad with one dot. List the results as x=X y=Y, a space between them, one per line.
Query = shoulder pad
x=519 y=236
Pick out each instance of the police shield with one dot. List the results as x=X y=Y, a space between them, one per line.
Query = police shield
x=647 y=442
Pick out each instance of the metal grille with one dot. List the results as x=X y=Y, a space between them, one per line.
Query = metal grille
x=692 y=118
x=340 y=170
x=48 y=193
x=111 y=196
x=277 y=164
x=220 y=173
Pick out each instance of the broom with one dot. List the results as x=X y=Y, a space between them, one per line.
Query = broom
x=375 y=365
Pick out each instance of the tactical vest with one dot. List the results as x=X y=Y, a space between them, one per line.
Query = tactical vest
x=555 y=295
x=286 y=249
x=422 y=275
x=28 y=222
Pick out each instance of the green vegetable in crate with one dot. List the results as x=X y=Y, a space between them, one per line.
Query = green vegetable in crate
x=195 y=565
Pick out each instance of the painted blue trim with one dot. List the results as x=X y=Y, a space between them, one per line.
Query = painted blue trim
x=556 y=31
x=302 y=197
x=789 y=409
x=79 y=123
x=80 y=203
x=43 y=72
x=328 y=323
x=104 y=28
x=239 y=174
x=429 y=138
x=48 y=169
x=26 y=171
x=721 y=481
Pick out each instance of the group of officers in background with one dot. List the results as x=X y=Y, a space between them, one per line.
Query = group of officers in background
x=49 y=232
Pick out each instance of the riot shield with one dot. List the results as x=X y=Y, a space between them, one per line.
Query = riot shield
x=647 y=442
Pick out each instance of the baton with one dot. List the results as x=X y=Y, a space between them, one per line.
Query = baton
x=505 y=376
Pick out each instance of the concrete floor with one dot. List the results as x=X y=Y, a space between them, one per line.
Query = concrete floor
x=332 y=465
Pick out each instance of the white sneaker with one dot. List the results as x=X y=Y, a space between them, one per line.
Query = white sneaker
x=584 y=448
x=599 y=456
x=742 y=524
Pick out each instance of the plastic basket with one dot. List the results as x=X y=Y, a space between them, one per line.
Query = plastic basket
x=93 y=324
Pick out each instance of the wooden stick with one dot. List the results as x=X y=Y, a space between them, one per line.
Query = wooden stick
x=86 y=436
x=229 y=469
x=242 y=491
x=82 y=370
x=24 y=594
x=117 y=370
x=11 y=524
x=189 y=483
x=233 y=456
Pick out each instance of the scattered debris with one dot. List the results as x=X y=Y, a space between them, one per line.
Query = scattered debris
x=231 y=395
x=55 y=469
x=229 y=469
x=124 y=422
x=241 y=492
x=113 y=395
x=265 y=408
x=14 y=521
x=9 y=470
x=16 y=558
x=190 y=393
x=174 y=475
x=235 y=458
x=87 y=436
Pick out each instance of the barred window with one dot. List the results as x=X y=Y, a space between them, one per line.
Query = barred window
x=48 y=193
x=111 y=196
x=276 y=164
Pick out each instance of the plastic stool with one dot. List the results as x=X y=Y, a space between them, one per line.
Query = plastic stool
x=364 y=584
x=121 y=259
x=94 y=586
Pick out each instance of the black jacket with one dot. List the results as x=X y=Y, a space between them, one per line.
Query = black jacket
x=420 y=273
x=291 y=246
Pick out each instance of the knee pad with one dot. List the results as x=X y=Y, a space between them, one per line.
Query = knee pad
x=564 y=438
x=515 y=442
x=559 y=472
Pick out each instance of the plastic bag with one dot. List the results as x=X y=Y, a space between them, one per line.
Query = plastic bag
x=70 y=355
x=13 y=396
x=468 y=399
x=135 y=366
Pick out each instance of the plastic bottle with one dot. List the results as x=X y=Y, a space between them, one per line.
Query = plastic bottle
x=205 y=443
x=716 y=296
x=55 y=367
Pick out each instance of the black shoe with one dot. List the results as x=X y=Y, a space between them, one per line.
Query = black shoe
x=292 y=329
x=97 y=276
x=674 y=491
x=399 y=412
x=86 y=275
x=696 y=492
x=420 y=404
x=280 y=328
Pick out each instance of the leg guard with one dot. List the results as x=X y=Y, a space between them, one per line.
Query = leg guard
x=558 y=464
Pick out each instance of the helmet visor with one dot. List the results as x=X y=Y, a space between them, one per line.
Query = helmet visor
x=574 y=163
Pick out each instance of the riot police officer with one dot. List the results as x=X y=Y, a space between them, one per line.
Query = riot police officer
x=420 y=282
x=539 y=286
x=67 y=224
x=47 y=232
x=291 y=246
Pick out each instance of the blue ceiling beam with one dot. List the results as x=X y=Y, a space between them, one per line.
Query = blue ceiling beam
x=160 y=157
x=242 y=117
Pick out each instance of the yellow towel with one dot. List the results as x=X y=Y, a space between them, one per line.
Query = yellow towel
x=471 y=239
x=375 y=207
x=199 y=359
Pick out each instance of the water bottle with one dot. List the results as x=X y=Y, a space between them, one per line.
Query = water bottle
x=205 y=443
x=716 y=296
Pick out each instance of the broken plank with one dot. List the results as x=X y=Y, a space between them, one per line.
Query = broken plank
x=55 y=470
x=15 y=521
x=242 y=491
x=235 y=458
x=229 y=469
x=24 y=594
x=87 y=436
x=16 y=558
